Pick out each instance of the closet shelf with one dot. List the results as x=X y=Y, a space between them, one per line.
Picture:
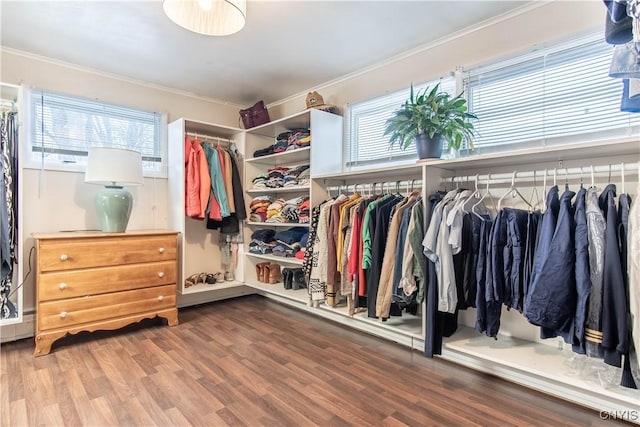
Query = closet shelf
x=286 y=157
x=596 y=149
x=297 y=188
x=371 y=175
x=277 y=259
x=215 y=287
x=410 y=326
x=533 y=362
x=278 y=224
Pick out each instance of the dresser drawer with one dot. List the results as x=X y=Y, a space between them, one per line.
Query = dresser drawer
x=71 y=254
x=76 y=311
x=95 y=281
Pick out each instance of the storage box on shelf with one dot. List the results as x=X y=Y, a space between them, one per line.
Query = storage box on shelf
x=199 y=250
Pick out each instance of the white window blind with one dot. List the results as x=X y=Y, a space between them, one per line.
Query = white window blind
x=366 y=125
x=64 y=127
x=557 y=94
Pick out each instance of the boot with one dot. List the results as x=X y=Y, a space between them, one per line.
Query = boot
x=260 y=271
x=274 y=274
x=286 y=277
x=266 y=272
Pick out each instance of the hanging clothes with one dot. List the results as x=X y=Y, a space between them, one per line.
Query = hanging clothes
x=596 y=234
x=318 y=276
x=8 y=210
x=633 y=271
x=583 y=280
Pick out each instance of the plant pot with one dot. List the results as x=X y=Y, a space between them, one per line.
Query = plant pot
x=429 y=148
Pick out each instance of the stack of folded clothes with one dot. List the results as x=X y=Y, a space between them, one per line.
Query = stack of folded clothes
x=259 y=208
x=286 y=141
x=303 y=211
x=288 y=241
x=262 y=242
x=274 y=211
x=282 y=176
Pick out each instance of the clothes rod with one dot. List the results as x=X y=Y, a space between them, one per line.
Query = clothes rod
x=203 y=136
x=383 y=185
x=559 y=174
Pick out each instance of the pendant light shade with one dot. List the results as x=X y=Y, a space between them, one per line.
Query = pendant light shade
x=208 y=17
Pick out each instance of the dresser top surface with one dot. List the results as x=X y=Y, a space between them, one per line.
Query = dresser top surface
x=93 y=234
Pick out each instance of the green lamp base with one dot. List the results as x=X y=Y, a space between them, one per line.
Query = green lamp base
x=113 y=204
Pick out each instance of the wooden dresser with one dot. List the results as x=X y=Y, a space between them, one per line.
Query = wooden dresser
x=89 y=281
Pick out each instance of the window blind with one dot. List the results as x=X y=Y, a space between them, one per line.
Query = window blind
x=64 y=127
x=366 y=141
x=561 y=92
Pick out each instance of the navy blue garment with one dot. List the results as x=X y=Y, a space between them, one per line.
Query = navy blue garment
x=514 y=257
x=495 y=286
x=615 y=331
x=583 y=279
x=533 y=220
x=624 y=203
x=490 y=323
x=434 y=320
x=469 y=286
x=552 y=297
x=292 y=235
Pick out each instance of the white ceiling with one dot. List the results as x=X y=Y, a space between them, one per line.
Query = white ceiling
x=285 y=48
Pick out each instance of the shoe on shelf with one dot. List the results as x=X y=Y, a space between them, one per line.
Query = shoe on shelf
x=195 y=279
x=210 y=279
x=286 y=278
x=228 y=276
x=219 y=277
x=274 y=274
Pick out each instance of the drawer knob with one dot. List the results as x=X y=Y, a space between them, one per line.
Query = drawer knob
x=63 y=314
x=161 y=250
x=63 y=286
x=64 y=257
x=160 y=298
x=161 y=274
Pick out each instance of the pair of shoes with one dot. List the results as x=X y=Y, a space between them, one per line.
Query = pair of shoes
x=228 y=276
x=293 y=278
x=268 y=272
x=198 y=278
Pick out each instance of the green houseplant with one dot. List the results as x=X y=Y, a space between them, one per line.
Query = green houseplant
x=430 y=118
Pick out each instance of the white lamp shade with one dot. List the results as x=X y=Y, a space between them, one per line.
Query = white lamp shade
x=208 y=17
x=113 y=166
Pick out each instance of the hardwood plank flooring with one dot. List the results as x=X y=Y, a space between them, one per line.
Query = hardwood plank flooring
x=253 y=362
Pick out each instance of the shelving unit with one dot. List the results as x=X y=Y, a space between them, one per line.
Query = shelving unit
x=278 y=224
x=276 y=259
x=198 y=249
x=279 y=190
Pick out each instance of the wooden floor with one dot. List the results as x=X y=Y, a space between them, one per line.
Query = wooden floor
x=253 y=362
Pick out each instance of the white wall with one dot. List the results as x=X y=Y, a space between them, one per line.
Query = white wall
x=544 y=23
x=55 y=200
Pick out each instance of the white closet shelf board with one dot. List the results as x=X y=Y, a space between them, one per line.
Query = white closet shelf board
x=200 y=287
x=534 y=365
x=294 y=121
x=371 y=175
x=277 y=259
x=297 y=188
x=209 y=128
x=278 y=224
x=408 y=334
x=285 y=158
x=9 y=92
x=214 y=294
x=597 y=149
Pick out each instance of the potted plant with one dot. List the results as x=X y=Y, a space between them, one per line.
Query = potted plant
x=431 y=118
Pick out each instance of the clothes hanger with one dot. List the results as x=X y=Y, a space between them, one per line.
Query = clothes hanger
x=535 y=193
x=475 y=193
x=513 y=190
x=622 y=178
x=484 y=196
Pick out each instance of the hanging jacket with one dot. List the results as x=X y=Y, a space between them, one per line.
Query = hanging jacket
x=583 y=279
x=192 y=179
x=615 y=340
x=596 y=226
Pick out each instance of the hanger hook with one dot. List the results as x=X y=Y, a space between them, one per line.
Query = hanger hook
x=513 y=179
x=622 y=177
x=476 y=182
x=593 y=179
x=609 y=180
x=488 y=180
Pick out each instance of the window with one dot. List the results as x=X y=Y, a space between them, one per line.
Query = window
x=557 y=95
x=366 y=125
x=64 y=127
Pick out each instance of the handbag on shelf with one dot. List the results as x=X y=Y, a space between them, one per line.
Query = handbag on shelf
x=255 y=115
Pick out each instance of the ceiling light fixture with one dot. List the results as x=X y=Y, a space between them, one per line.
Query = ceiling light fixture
x=208 y=17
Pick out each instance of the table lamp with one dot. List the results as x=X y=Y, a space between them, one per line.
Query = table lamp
x=113 y=168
